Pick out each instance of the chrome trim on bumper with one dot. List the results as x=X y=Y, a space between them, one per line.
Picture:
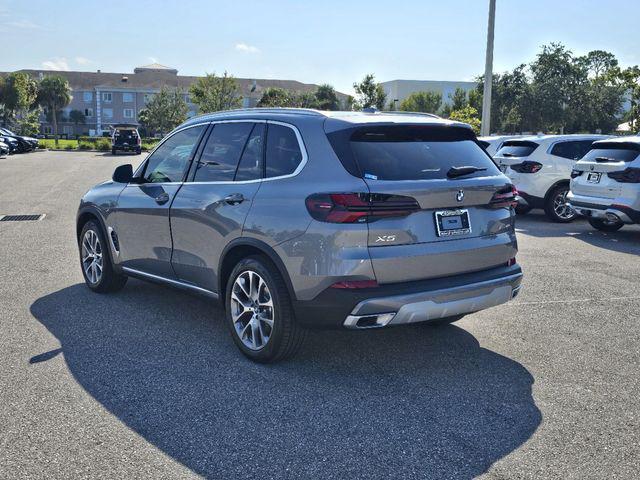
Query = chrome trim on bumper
x=433 y=305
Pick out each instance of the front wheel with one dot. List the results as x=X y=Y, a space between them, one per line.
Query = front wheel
x=556 y=206
x=95 y=261
x=113 y=151
x=605 y=225
x=259 y=312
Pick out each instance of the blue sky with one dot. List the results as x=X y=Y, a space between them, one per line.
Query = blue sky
x=326 y=41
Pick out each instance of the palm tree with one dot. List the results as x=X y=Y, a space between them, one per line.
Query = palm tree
x=54 y=93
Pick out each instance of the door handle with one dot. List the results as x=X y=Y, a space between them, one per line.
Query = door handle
x=234 y=198
x=162 y=198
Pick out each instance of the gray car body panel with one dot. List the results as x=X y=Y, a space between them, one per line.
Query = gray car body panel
x=185 y=239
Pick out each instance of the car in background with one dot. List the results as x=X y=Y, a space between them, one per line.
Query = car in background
x=25 y=143
x=4 y=149
x=605 y=184
x=125 y=138
x=493 y=143
x=296 y=218
x=10 y=142
x=540 y=167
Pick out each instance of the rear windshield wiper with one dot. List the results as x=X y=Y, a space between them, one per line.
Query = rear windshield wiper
x=507 y=154
x=606 y=159
x=455 y=172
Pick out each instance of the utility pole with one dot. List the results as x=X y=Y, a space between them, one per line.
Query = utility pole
x=485 y=129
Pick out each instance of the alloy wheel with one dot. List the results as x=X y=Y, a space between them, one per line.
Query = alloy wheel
x=252 y=310
x=92 y=256
x=561 y=207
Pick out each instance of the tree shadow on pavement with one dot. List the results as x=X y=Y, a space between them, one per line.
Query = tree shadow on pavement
x=408 y=402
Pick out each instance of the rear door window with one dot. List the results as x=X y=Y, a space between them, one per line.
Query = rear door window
x=517 y=148
x=222 y=152
x=417 y=153
x=250 y=167
x=573 y=150
x=283 y=151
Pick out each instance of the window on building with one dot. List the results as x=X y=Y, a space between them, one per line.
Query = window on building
x=128 y=113
x=88 y=112
x=221 y=154
x=47 y=129
x=283 y=151
x=67 y=130
x=107 y=96
x=127 y=97
x=87 y=96
x=107 y=112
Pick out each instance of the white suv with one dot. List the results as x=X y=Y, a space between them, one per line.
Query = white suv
x=540 y=168
x=605 y=185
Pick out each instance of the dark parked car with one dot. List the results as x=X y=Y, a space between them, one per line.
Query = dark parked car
x=10 y=142
x=25 y=144
x=296 y=218
x=125 y=138
x=4 y=149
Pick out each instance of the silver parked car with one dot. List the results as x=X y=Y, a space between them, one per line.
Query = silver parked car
x=605 y=184
x=297 y=218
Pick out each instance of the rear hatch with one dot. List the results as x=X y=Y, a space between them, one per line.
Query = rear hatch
x=125 y=137
x=600 y=166
x=439 y=204
x=514 y=152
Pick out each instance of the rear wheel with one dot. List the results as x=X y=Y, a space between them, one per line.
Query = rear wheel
x=95 y=261
x=113 y=151
x=259 y=312
x=605 y=225
x=556 y=206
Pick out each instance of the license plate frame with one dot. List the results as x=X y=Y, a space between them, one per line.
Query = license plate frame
x=594 y=177
x=452 y=222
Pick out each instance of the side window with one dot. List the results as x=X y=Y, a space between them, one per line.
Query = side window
x=583 y=147
x=170 y=160
x=283 y=151
x=250 y=167
x=222 y=152
x=572 y=150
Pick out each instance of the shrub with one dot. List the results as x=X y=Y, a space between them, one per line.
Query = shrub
x=86 y=146
x=69 y=146
x=104 y=144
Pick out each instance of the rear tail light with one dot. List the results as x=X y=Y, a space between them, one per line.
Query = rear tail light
x=576 y=173
x=358 y=207
x=628 y=175
x=511 y=262
x=505 y=197
x=527 y=167
x=355 y=284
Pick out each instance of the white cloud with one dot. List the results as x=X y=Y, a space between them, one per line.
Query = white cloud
x=57 y=63
x=83 y=61
x=244 y=48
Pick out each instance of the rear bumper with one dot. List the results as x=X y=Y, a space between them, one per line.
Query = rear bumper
x=527 y=200
x=411 y=302
x=586 y=207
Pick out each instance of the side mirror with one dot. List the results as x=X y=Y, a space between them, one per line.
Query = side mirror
x=123 y=174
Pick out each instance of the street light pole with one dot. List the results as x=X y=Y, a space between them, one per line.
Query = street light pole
x=485 y=129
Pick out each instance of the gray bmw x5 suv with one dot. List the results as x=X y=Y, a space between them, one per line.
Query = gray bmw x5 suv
x=298 y=218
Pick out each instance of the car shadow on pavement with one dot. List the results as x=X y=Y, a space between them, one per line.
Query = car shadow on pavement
x=409 y=402
x=626 y=240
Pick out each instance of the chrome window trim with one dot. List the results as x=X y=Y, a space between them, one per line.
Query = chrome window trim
x=170 y=281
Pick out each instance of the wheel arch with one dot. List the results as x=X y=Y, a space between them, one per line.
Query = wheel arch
x=242 y=248
x=564 y=181
x=85 y=214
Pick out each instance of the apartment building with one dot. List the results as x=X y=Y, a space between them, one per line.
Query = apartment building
x=107 y=99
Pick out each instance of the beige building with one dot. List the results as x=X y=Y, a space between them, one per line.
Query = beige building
x=111 y=98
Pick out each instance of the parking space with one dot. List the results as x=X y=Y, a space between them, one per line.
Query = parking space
x=147 y=382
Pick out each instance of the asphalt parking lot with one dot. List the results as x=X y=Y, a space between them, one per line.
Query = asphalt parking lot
x=147 y=383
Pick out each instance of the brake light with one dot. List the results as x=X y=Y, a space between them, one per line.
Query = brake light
x=511 y=262
x=527 y=167
x=628 y=175
x=576 y=173
x=505 y=197
x=355 y=284
x=358 y=207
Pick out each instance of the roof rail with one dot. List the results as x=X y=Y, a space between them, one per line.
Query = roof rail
x=240 y=111
x=424 y=114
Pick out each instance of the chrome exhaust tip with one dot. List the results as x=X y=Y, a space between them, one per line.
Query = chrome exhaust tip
x=368 y=321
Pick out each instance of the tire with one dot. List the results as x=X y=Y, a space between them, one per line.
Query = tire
x=108 y=280
x=523 y=209
x=284 y=336
x=138 y=152
x=553 y=205
x=605 y=226
x=441 y=321
x=114 y=151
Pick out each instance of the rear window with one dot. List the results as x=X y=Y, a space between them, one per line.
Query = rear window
x=410 y=152
x=625 y=152
x=517 y=148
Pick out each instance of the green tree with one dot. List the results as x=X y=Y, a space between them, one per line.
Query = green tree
x=212 y=93
x=369 y=93
x=164 y=112
x=326 y=97
x=427 y=102
x=18 y=94
x=276 y=97
x=77 y=117
x=468 y=115
x=458 y=99
x=54 y=94
x=630 y=78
